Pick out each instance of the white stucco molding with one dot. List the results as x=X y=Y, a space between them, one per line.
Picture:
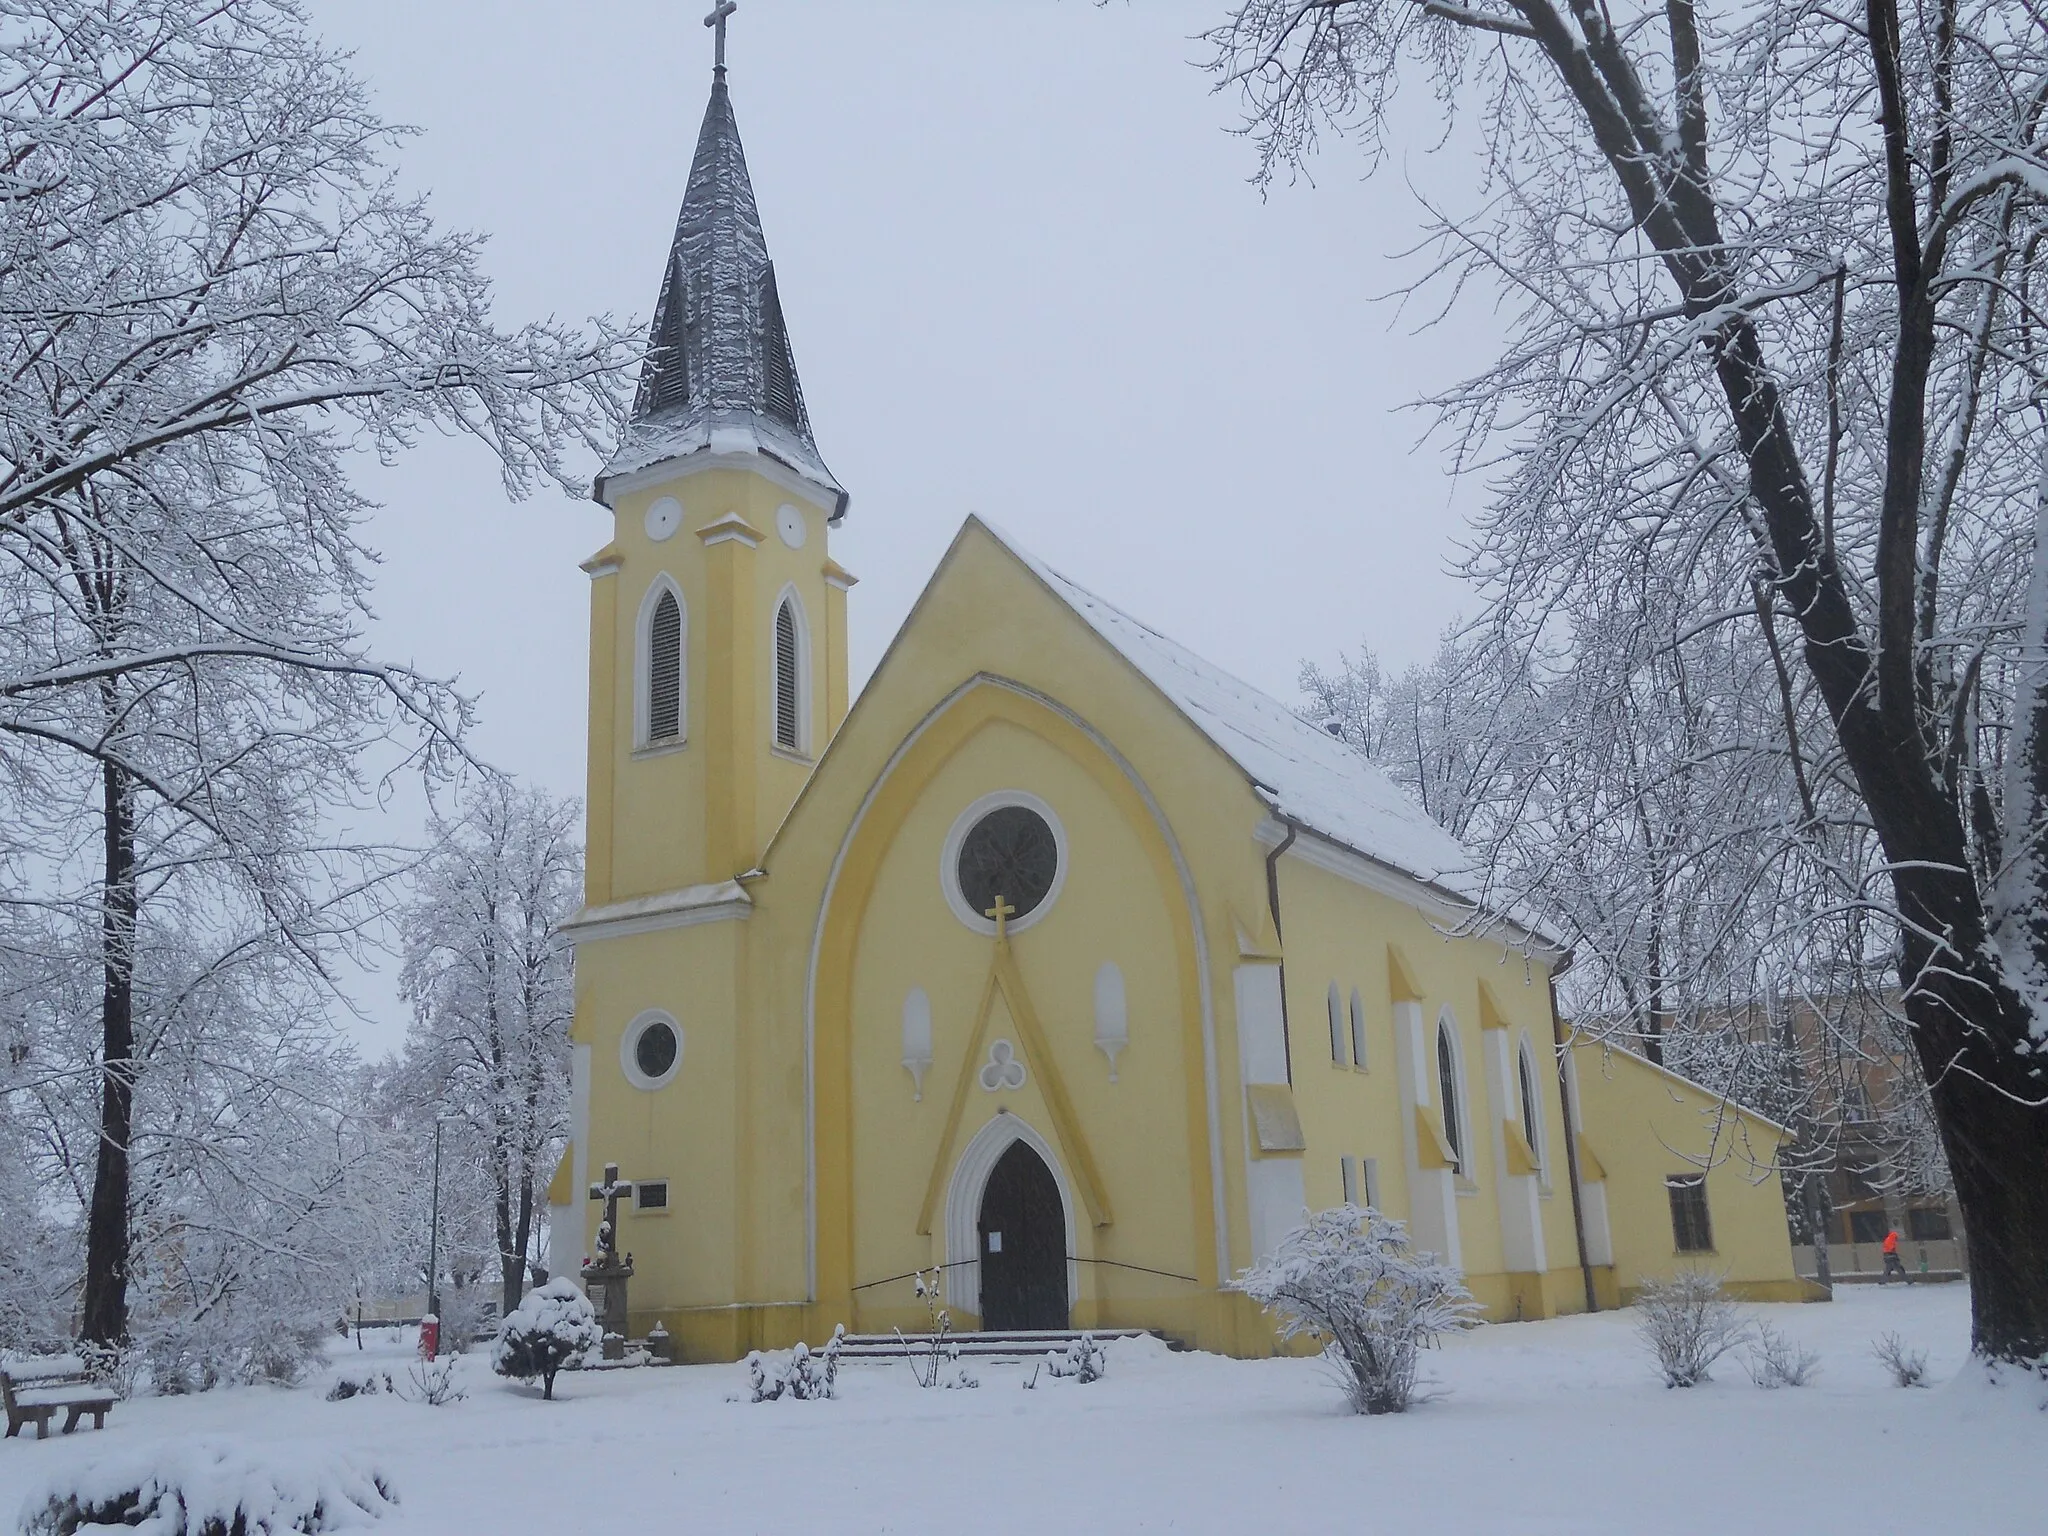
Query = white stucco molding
x=721 y=902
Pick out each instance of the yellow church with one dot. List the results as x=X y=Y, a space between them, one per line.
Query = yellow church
x=1059 y=961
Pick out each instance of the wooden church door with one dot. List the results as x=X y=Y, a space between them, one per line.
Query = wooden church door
x=1023 y=1244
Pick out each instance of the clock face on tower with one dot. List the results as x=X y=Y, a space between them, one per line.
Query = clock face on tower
x=664 y=518
x=790 y=524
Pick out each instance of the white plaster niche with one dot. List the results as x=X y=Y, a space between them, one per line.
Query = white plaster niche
x=917 y=1037
x=1112 y=1014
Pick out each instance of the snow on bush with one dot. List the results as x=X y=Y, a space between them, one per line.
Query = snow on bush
x=232 y=1345
x=1351 y=1278
x=1775 y=1361
x=804 y=1373
x=552 y=1326
x=465 y=1317
x=1907 y=1365
x=1687 y=1323
x=1082 y=1359
x=433 y=1382
x=205 y=1488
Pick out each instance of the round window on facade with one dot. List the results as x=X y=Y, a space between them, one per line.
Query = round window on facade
x=1006 y=846
x=651 y=1050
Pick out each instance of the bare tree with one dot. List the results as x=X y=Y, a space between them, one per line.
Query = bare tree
x=1773 y=276
x=489 y=977
x=210 y=294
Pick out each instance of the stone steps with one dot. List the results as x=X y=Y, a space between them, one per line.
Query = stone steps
x=1017 y=1344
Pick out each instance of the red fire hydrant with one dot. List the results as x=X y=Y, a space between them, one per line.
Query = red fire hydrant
x=430 y=1336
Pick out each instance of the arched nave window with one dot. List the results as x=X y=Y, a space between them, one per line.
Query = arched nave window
x=1532 y=1114
x=790 y=711
x=1357 y=1030
x=659 y=665
x=1447 y=1083
x=1336 y=1009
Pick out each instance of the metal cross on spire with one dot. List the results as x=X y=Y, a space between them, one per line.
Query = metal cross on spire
x=716 y=20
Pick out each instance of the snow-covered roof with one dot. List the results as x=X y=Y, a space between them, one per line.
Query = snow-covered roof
x=1308 y=776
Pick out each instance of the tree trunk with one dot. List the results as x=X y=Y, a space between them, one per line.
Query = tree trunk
x=105 y=1318
x=1987 y=1106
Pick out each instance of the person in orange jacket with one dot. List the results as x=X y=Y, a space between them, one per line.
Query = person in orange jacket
x=1892 y=1263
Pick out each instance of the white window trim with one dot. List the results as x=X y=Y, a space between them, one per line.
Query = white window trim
x=631 y=1038
x=789 y=595
x=643 y=668
x=949 y=859
x=1447 y=1029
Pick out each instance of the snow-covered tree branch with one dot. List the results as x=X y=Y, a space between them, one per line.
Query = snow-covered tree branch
x=1774 y=370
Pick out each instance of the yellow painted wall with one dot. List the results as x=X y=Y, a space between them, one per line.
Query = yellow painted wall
x=1337 y=930
x=704 y=810
x=792 y=1016
x=1644 y=1124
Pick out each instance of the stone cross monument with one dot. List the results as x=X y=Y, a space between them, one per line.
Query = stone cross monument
x=605 y=1277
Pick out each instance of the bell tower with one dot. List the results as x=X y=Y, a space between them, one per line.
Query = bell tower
x=718 y=618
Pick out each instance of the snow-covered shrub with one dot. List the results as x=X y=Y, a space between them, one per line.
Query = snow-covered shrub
x=115 y=1366
x=1775 y=1361
x=233 y=1345
x=803 y=1373
x=552 y=1326
x=1083 y=1359
x=433 y=1382
x=1907 y=1365
x=1351 y=1278
x=205 y=1488
x=1687 y=1323
x=346 y=1387
x=935 y=1359
x=465 y=1316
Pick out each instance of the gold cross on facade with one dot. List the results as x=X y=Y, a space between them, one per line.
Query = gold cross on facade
x=1002 y=912
x=716 y=19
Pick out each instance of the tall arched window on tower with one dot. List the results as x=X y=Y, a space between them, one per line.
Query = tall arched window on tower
x=660 y=668
x=1447 y=1084
x=789 y=675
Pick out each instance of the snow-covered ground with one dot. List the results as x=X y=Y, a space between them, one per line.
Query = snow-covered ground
x=1540 y=1427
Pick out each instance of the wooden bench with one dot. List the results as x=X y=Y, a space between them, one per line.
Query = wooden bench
x=37 y=1389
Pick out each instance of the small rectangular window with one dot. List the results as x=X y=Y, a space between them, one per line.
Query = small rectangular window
x=1927 y=1224
x=1350 y=1180
x=650 y=1195
x=1369 y=1181
x=1691 y=1230
x=1868 y=1226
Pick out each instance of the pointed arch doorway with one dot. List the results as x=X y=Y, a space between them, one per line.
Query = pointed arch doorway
x=1023 y=1241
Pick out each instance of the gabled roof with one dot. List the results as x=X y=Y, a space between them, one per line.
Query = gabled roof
x=1306 y=775
x=720 y=375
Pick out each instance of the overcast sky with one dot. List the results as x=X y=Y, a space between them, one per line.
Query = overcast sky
x=1025 y=276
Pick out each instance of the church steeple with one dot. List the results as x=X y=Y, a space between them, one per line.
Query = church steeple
x=720 y=375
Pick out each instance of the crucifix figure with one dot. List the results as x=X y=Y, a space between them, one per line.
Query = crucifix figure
x=608 y=1229
x=716 y=20
x=1002 y=912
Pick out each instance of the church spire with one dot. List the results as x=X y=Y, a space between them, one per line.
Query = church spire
x=719 y=375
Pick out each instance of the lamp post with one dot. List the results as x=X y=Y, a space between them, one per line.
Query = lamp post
x=434 y=1233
